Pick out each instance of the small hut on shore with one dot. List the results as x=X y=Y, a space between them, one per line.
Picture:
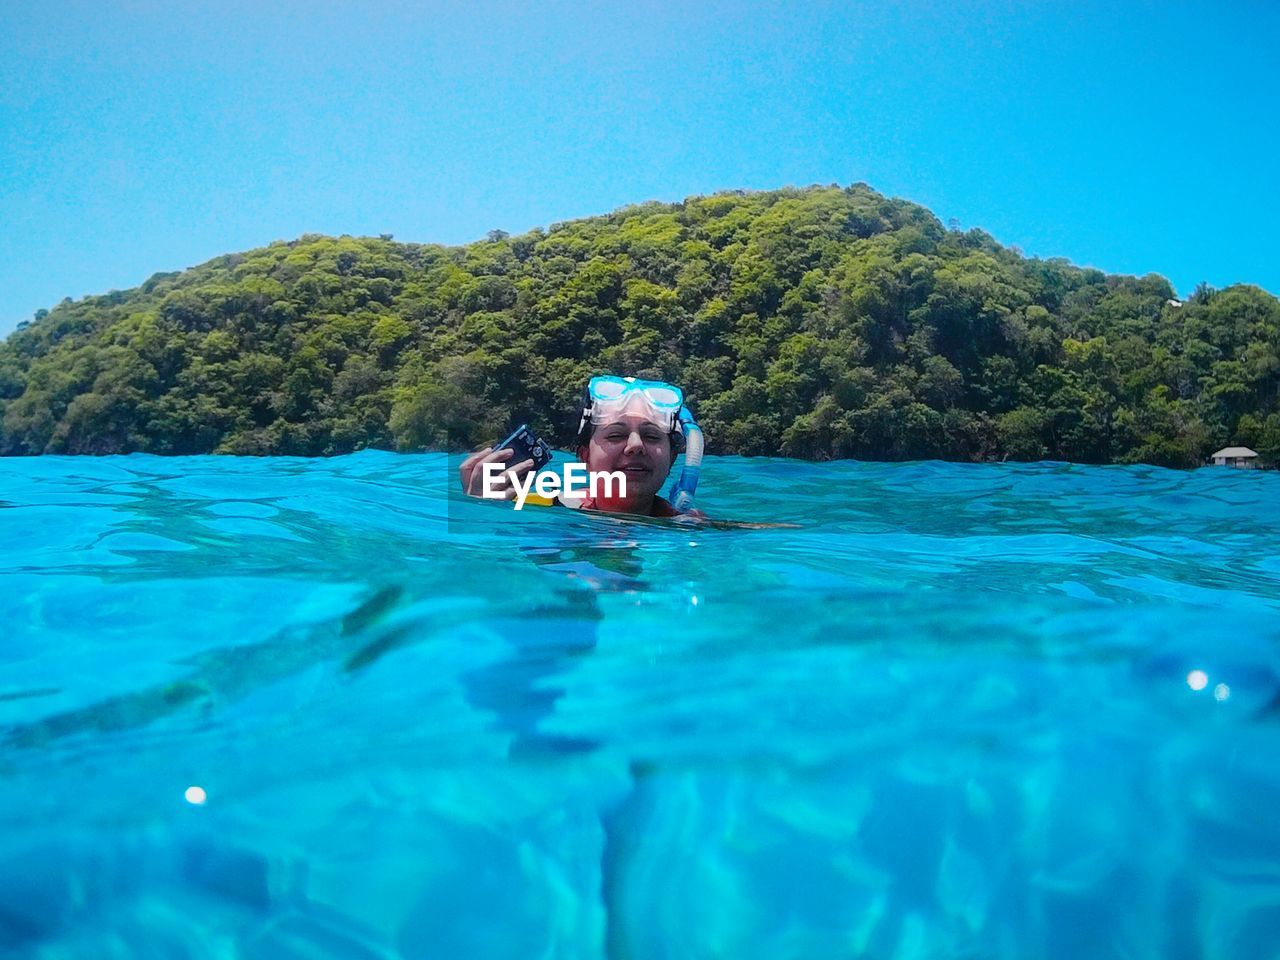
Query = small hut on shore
x=1241 y=458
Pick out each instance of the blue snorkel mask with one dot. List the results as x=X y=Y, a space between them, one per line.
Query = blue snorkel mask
x=607 y=396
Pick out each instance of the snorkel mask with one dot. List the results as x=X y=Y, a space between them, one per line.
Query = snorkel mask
x=607 y=397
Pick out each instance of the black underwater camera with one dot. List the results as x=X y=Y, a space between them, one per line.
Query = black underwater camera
x=526 y=445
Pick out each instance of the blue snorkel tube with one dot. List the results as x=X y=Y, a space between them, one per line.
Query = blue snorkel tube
x=681 y=496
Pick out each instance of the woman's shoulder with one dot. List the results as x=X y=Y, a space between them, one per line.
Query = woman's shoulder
x=662 y=508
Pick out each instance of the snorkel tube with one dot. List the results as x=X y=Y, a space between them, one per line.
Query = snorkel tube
x=681 y=496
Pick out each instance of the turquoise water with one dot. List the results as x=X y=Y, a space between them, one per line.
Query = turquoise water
x=953 y=712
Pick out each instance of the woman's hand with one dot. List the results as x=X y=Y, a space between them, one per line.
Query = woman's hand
x=471 y=473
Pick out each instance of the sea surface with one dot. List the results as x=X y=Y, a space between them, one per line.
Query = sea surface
x=282 y=709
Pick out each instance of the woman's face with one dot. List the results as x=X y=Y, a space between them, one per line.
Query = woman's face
x=636 y=446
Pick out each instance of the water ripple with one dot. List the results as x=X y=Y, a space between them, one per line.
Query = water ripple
x=954 y=710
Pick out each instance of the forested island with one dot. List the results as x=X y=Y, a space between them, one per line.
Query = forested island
x=817 y=323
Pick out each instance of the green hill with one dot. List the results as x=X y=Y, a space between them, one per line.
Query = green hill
x=815 y=323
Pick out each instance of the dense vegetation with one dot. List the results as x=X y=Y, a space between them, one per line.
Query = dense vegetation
x=812 y=323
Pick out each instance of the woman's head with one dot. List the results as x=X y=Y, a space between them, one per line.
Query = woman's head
x=631 y=426
x=634 y=445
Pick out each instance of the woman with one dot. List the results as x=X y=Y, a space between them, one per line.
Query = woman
x=631 y=427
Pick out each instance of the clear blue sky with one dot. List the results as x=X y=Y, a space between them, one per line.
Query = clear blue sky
x=137 y=137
